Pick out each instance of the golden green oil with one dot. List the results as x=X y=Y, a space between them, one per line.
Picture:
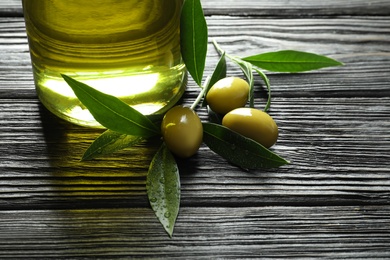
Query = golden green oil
x=126 y=48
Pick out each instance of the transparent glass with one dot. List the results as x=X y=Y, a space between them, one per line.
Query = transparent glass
x=126 y=48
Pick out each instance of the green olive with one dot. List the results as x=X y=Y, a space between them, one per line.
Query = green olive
x=227 y=94
x=254 y=124
x=182 y=131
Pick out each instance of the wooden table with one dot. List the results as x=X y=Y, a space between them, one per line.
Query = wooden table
x=332 y=201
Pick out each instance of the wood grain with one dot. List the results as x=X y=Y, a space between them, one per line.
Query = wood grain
x=335 y=163
x=300 y=8
x=266 y=8
x=365 y=59
x=331 y=202
x=218 y=233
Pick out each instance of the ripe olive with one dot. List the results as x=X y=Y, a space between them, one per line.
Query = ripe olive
x=227 y=94
x=182 y=131
x=254 y=124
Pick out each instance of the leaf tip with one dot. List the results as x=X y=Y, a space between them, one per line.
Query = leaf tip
x=85 y=158
x=65 y=77
x=169 y=231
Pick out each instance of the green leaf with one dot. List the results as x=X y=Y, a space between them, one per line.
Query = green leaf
x=110 y=142
x=214 y=117
x=193 y=38
x=219 y=73
x=291 y=61
x=239 y=150
x=163 y=188
x=268 y=85
x=111 y=112
x=247 y=69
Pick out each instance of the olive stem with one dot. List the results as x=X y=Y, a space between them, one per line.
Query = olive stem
x=202 y=93
x=248 y=72
x=217 y=47
x=220 y=51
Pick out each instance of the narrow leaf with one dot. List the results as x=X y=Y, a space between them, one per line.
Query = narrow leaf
x=163 y=188
x=239 y=150
x=247 y=69
x=268 y=85
x=110 y=142
x=214 y=117
x=111 y=112
x=291 y=61
x=193 y=38
x=219 y=73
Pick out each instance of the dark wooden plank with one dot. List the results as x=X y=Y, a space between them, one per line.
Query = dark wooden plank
x=201 y=233
x=11 y=8
x=299 y=8
x=366 y=57
x=339 y=150
x=15 y=65
x=361 y=43
x=266 y=8
x=332 y=201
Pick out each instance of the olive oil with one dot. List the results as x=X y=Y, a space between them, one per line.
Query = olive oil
x=126 y=48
